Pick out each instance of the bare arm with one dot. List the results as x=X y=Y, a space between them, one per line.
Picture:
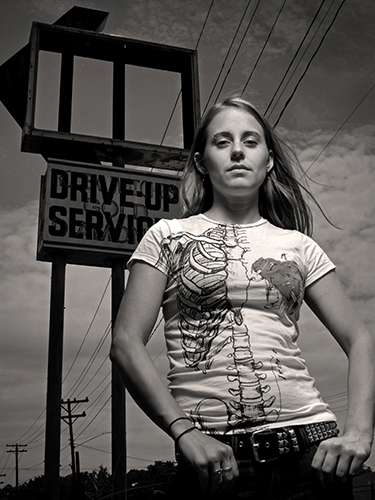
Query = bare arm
x=136 y=317
x=346 y=454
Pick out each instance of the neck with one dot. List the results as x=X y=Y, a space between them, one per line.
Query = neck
x=235 y=212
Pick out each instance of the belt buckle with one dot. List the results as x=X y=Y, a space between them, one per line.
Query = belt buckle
x=267 y=449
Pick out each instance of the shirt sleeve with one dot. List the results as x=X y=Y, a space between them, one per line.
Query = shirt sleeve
x=317 y=261
x=151 y=248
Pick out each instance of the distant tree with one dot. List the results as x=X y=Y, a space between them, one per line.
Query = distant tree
x=144 y=484
x=7 y=492
x=97 y=483
x=151 y=483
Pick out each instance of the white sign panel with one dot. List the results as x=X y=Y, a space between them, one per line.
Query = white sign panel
x=94 y=213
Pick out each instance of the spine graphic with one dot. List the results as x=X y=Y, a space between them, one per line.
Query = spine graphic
x=250 y=393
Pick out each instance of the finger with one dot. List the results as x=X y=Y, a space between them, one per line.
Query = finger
x=324 y=464
x=229 y=474
x=329 y=468
x=216 y=477
x=343 y=467
x=204 y=478
x=356 y=464
x=228 y=479
x=318 y=459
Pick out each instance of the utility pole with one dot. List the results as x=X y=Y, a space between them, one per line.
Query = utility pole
x=119 y=487
x=54 y=379
x=70 y=419
x=16 y=450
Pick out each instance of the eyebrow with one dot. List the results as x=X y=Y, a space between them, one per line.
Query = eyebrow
x=229 y=135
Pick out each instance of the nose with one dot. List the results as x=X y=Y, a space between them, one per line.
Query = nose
x=237 y=155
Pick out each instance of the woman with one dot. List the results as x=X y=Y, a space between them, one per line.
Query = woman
x=231 y=277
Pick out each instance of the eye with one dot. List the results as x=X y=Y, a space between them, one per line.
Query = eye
x=251 y=143
x=222 y=143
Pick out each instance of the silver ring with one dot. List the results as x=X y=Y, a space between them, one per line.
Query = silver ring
x=227 y=469
x=217 y=471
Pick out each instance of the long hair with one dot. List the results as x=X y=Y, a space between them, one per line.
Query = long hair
x=281 y=196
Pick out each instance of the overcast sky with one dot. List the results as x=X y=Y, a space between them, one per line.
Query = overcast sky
x=330 y=121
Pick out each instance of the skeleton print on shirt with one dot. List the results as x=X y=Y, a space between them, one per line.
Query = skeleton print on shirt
x=214 y=274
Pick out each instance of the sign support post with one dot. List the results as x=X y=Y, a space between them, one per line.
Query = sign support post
x=118 y=398
x=54 y=381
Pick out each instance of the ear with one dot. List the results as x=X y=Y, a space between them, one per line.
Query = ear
x=199 y=163
x=270 y=161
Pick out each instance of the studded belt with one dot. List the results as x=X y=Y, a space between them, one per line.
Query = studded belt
x=270 y=444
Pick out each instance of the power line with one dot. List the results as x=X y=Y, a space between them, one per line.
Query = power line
x=16 y=450
x=39 y=433
x=91 y=360
x=179 y=94
x=83 y=430
x=295 y=55
x=92 y=438
x=102 y=381
x=29 y=429
x=69 y=419
x=227 y=55
x=40 y=429
x=204 y=24
x=92 y=406
x=263 y=48
x=340 y=128
x=309 y=63
x=238 y=49
x=102 y=420
x=302 y=56
x=89 y=328
x=105 y=359
x=95 y=449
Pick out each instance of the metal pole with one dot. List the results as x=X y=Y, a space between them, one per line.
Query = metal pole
x=70 y=420
x=16 y=452
x=78 y=471
x=118 y=398
x=55 y=359
x=66 y=92
x=17 y=480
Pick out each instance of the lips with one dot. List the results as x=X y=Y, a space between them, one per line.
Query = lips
x=238 y=167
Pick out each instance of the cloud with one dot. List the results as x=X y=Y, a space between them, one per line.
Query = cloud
x=334 y=84
x=24 y=290
x=24 y=313
x=347 y=183
x=41 y=9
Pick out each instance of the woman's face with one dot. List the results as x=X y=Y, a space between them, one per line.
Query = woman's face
x=236 y=156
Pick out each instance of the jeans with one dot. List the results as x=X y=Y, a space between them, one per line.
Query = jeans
x=288 y=478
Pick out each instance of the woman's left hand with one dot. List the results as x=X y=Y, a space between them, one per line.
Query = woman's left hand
x=336 y=458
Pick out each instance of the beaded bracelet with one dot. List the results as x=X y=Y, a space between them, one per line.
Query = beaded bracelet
x=184 y=432
x=173 y=421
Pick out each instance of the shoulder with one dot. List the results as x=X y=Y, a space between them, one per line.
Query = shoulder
x=294 y=236
x=309 y=253
x=167 y=227
x=160 y=235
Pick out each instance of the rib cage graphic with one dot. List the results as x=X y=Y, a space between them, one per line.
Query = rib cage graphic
x=200 y=267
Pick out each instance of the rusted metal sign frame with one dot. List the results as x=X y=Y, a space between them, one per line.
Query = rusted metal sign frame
x=120 y=51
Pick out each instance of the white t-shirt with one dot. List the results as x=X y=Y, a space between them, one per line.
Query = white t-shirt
x=231 y=307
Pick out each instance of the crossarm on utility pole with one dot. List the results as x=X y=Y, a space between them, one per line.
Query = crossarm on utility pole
x=68 y=419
